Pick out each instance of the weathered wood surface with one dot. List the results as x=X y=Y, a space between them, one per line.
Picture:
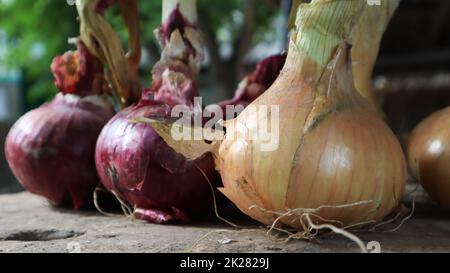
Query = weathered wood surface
x=28 y=224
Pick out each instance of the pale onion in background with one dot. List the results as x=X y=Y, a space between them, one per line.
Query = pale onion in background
x=429 y=155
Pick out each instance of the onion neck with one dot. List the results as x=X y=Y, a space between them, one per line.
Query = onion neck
x=320 y=27
x=79 y=73
x=175 y=75
x=319 y=60
x=186 y=7
x=366 y=39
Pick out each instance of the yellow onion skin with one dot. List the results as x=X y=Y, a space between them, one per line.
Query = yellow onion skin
x=429 y=155
x=333 y=150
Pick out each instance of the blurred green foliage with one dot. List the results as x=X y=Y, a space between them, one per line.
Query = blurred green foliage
x=38 y=30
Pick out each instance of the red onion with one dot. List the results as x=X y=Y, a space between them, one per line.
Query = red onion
x=51 y=149
x=254 y=84
x=135 y=163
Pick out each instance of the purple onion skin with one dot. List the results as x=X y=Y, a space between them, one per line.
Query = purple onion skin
x=135 y=163
x=51 y=150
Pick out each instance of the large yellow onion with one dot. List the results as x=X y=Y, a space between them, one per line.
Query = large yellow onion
x=334 y=151
x=429 y=155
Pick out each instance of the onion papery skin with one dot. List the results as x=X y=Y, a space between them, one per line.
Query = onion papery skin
x=429 y=156
x=333 y=150
x=135 y=163
x=51 y=149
